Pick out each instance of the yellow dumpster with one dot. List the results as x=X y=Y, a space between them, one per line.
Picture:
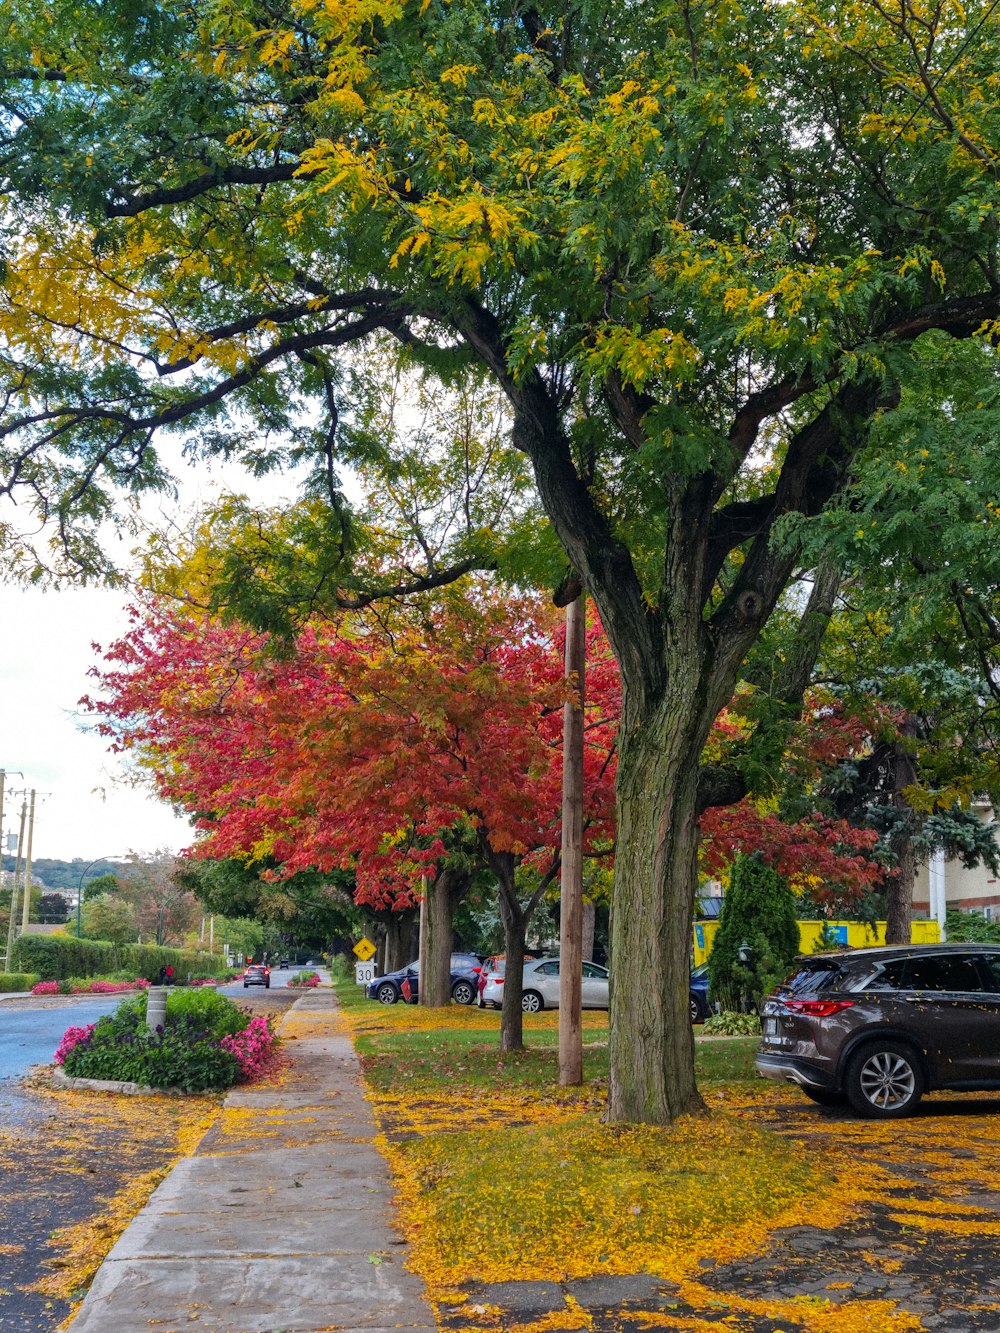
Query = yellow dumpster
x=848 y=935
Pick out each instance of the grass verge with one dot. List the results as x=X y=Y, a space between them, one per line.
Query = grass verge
x=471 y=1132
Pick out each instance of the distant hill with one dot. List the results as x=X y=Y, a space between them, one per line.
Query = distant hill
x=55 y=874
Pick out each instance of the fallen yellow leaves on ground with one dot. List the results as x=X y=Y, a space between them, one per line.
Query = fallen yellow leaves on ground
x=567 y=1197
x=82 y=1127
x=555 y=1195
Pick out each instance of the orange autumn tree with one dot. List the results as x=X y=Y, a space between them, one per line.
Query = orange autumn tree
x=396 y=749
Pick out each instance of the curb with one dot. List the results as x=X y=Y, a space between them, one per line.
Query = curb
x=112 y=1085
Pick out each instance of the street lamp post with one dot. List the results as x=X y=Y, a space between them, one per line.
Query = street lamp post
x=79 y=890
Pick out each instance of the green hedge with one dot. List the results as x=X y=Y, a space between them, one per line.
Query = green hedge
x=56 y=957
x=16 y=981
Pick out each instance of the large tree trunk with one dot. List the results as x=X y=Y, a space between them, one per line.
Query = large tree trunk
x=588 y=928
x=899 y=893
x=444 y=892
x=511 y=1015
x=651 y=1048
x=398 y=938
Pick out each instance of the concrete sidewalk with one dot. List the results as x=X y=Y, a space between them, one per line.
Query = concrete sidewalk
x=281 y=1222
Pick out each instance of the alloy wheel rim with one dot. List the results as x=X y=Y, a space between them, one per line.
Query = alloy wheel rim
x=887 y=1080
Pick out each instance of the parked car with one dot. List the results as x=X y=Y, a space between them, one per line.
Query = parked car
x=491 y=983
x=540 y=985
x=596 y=985
x=698 y=994
x=877 y=1028
x=257 y=975
x=465 y=969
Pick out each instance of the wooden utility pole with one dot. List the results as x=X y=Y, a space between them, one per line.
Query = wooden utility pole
x=571 y=893
x=423 y=987
x=26 y=912
x=13 y=893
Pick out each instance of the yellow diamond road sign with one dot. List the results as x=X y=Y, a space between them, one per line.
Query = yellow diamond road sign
x=364 y=949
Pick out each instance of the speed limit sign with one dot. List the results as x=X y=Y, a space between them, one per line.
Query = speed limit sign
x=363 y=973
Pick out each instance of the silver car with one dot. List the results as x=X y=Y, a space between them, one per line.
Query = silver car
x=541 y=986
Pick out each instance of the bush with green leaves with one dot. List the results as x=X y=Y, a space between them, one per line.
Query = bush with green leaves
x=731 y=1023
x=187 y=1052
x=972 y=928
x=757 y=939
x=213 y=1011
x=57 y=957
x=18 y=981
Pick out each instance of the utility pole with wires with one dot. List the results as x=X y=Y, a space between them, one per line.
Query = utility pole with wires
x=26 y=912
x=11 y=927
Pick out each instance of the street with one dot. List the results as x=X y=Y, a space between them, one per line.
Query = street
x=30 y=1030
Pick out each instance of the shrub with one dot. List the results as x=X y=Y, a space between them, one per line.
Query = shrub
x=757 y=911
x=731 y=1023
x=304 y=979
x=208 y=1008
x=206 y=1044
x=88 y=986
x=253 y=1048
x=17 y=981
x=177 y=1056
x=971 y=927
x=56 y=957
x=71 y=1038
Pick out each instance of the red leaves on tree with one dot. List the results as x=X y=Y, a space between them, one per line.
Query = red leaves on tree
x=364 y=748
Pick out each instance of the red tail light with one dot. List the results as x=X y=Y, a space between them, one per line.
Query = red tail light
x=817 y=1008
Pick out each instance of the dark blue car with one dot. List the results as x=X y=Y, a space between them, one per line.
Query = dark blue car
x=465 y=969
x=699 y=994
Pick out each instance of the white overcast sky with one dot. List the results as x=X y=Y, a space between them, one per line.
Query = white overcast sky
x=86 y=805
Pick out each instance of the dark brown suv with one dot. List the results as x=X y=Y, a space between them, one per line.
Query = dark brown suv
x=880 y=1027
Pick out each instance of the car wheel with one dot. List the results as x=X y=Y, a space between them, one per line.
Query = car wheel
x=531 y=1002
x=267 y=985
x=386 y=993
x=884 y=1080
x=824 y=1096
x=463 y=992
x=246 y=985
x=694 y=1009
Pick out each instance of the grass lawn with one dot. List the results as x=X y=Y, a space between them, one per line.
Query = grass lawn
x=433 y=1051
x=567 y=1195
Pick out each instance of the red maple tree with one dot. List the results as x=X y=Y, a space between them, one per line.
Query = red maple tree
x=372 y=745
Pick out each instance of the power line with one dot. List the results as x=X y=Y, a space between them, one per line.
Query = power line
x=944 y=73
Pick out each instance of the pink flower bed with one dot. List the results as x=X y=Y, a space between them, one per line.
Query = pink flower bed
x=254 y=1048
x=70 y=1038
x=306 y=982
x=91 y=987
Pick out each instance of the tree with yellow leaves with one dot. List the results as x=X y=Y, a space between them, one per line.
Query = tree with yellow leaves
x=695 y=245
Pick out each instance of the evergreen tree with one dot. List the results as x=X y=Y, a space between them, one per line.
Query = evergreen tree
x=758 y=935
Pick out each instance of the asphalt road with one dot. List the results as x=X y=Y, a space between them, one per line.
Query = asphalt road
x=30 y=1030
x=279 y=978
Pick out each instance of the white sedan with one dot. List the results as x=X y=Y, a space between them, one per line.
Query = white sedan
x=540 y=986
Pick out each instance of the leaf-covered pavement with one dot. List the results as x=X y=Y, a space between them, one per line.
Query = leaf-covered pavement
x=76 y=1167
x=767 y=1215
